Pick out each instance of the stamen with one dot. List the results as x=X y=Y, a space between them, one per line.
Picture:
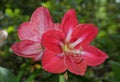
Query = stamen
x=64 y=47
x=77 y=51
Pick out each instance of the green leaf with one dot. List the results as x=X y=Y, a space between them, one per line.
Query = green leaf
x=9 y=12
x=6 y=75
x=80 y=78
x=116 y=70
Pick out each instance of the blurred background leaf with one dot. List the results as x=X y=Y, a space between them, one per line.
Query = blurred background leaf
x=6 y=75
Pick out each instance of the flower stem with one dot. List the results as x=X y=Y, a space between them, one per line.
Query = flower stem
x=61 y=78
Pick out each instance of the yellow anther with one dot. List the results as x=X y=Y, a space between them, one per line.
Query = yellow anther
x=65 y=47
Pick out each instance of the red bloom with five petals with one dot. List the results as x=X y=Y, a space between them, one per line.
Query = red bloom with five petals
x=67 y=48
x=30 y=34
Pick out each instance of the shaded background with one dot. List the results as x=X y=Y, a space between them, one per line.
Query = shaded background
x=103 y=13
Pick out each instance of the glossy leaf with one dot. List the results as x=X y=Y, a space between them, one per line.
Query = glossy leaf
x=6 y=75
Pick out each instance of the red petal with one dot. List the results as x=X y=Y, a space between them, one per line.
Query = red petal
x=52 y=39
x=51 y=62
x=75 y=67
x=83 y=34
x=28 y=49
x=69 y=21
x=42 y=20
x=26 y=32
x=93 y=56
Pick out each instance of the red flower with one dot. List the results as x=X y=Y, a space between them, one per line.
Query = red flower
x=30 y=34
x=67 y=48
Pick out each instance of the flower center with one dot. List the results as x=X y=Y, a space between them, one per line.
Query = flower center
x=65 y=48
